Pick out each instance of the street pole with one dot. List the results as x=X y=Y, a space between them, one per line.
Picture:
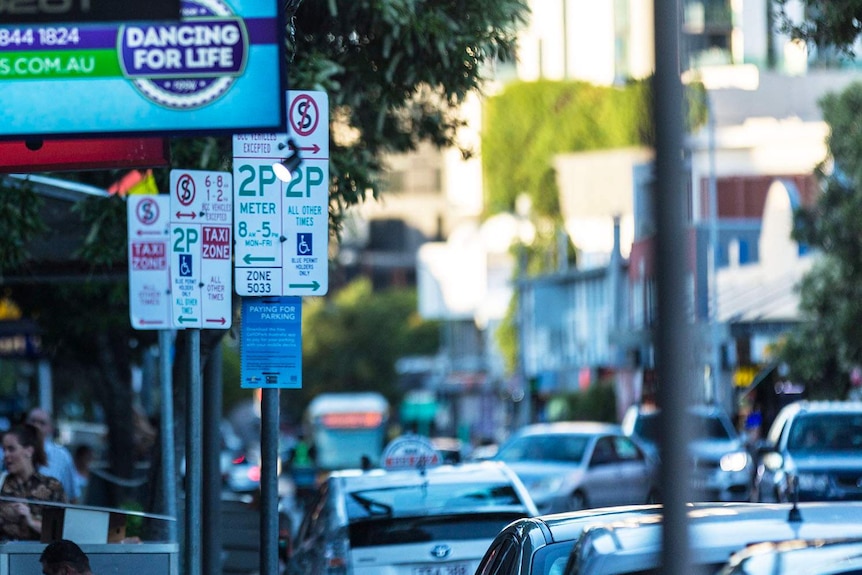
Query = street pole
x=526 y=413
x=712 y=261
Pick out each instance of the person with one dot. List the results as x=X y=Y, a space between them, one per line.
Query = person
x=23 y=454
x=83 y=458
x=62 y=557
x=60 y=463
x=301 y=463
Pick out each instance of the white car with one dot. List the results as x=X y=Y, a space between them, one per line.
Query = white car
x=433 y=521
x=572 y=465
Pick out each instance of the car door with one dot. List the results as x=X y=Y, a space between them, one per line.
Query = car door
x=636 y=473
x=602 y=475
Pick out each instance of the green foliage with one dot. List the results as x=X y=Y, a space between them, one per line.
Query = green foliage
x=351 y=341
x=824 y=349
x=105 y=243
x=20 y=222
x=596 y=403
x=530 y=122
x=833 y=23
x=396 y=72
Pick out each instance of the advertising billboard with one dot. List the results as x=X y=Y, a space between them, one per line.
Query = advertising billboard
x=220 y=69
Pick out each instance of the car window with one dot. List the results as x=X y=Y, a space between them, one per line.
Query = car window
x=501 y=558
x=626 y=450
x=828 y=431
x=647 y=427
x=604 y=452
x=559 y=447
x=551 y=559
x=420 y=497
x=711 y=427
x=398 y=531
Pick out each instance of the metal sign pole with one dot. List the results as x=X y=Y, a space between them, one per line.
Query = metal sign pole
x=169 y=483
x=269 y=481
x=194 y=467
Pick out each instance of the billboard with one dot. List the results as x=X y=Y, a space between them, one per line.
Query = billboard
x=220 y=69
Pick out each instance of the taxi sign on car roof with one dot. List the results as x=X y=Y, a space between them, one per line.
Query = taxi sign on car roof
x=410 y=452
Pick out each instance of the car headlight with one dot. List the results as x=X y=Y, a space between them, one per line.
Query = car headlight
x=736 y=461
x=813 y=481
x=773 y=461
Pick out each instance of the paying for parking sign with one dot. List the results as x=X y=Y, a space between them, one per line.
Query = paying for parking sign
x=201 y=240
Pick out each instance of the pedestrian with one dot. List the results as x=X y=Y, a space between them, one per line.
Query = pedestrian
x=83 y=458
x=64 y=557
x=60 y=463
x=23 y=454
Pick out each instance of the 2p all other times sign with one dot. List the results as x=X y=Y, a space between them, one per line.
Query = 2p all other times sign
x=200 y=242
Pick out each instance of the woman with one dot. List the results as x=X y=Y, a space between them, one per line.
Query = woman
x=23 y=453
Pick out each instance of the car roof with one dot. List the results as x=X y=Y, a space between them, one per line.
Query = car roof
x=797 y=556
x=355 y=479
x=357 y=485
x=807 y=406
x=569 y=525
x=576 y=427
x=716 y=530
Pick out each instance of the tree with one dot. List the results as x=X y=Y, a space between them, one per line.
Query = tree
x=834 y=23
x=396 y=72
x=826 y=346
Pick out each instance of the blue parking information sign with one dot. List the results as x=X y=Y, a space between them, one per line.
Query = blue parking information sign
x=271 y=342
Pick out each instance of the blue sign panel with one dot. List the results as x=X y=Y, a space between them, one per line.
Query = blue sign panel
x=271 y=342
x=217 y=70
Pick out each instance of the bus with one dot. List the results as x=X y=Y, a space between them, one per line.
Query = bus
x=346 y=428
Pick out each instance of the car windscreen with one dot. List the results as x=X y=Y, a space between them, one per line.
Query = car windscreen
x=703 y=426
x=562 y=448
x=403 y=530
x=425 y=498
x=826 y=431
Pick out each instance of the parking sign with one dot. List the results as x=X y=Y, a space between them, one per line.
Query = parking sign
x=200 y=240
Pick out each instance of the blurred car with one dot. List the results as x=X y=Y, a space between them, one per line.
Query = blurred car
x=540 y=545
x=410 y=521
x=716 y=531
x=813 y=452
x=567 y=466
x=722 y=469
x=798 y=557
x=451 y=449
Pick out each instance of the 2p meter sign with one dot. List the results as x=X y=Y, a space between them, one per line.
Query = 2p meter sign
x=282 y=228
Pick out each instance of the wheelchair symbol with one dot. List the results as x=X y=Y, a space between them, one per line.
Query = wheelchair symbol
x=303 y=244
x=185 y=265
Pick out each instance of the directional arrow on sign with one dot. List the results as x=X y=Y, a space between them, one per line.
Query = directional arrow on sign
x=183 y=319
x=250 y=258
x=220 y=320
x=315 y=149
x=191 y=215
x=313 y=285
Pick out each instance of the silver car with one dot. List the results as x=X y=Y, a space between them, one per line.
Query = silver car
x=567 y=466
x=716 y=530
x=722 y=469
x=541 y=545
x=434 y=521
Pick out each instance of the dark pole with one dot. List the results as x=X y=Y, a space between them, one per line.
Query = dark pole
x=269 y=481
x=672 y=334
x=212 y=488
